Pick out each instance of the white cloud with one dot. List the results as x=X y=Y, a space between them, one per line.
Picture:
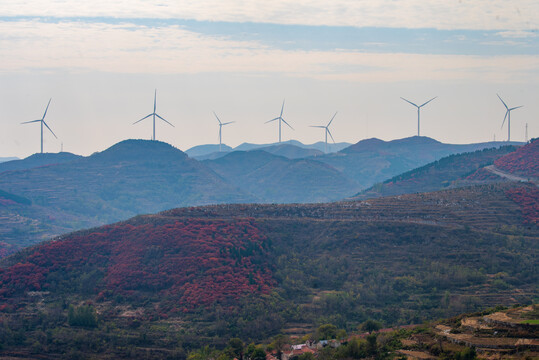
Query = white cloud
x=517 y=34
x=441 y=14
x=75 y=46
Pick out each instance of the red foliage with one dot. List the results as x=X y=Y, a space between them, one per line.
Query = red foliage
x=483 y=174
x=524 y=161
x=528 y=199
x=195 y=262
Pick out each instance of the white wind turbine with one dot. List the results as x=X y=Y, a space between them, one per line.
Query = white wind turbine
x=42 y=121
x=326 y=130
x=280 y=118
x=154 y=114
x=418 y=110
x=221 y=124
x=508 y=117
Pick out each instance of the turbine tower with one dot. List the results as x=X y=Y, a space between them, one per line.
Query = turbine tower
x=526 y=136
x=326 y=130
x=154 y=114
x=418 y=110
x=221 y=124
x=280 y=118
x=508 y=117
x=42 y=121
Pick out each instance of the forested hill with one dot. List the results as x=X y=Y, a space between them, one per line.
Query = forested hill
x=523 y=162
x=255 y=270
x=130 y=178
x=437 y=175
x=278 y=179
x=372 y=161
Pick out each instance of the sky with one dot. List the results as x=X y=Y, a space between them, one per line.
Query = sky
x=101 y=62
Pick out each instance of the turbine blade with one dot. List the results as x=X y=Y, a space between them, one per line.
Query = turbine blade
x=230 y=122
x=282 y=108
x=154 y=100
x=33 y=121
x=329 y=132
x=50 y=129
x=318 y=126
x=272 y=120
x=47 y=108
x=516 y=107
x=332 y=118
x=147 y=116
x=287 y=124
x=503 y=102
x=505 y=117
x=217 y=117
x=429 y=101
x=409 y=102
x=164 y=120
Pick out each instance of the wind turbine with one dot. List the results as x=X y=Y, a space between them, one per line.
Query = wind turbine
x=508 y=117
x=418 y=109
x=280 y=118
x=326 y=130
x=154 y=114
x=220 y=127
x=42 y=121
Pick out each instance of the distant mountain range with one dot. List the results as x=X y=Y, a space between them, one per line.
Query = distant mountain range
x=49 y=194
x=278 y=179
x=292 y=149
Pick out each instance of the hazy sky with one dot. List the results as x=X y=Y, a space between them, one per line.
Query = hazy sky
x=100 y=61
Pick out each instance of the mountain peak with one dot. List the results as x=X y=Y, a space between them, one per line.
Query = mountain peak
x=138 y=150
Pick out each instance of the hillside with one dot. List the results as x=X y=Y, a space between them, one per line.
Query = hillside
x=372 y=161
x=38 y=160
x=132 y=177
x=200 y=272
x=523 y=162
x=437 y=175
x=277 y=179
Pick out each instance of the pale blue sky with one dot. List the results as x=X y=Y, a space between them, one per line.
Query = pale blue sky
x=101 y=63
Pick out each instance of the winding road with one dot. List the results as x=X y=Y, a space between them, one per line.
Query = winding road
x=493 y=169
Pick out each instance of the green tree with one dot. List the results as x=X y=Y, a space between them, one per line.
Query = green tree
x=370 y=326
x=84 y=315
x=326 y=332
x=235 y=346
x=258 y=354
x=279 y=343
x=372 y=347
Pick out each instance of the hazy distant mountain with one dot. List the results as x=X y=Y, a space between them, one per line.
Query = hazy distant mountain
x=4 y=159
x=277 y=179
x=374 y=160
x=129 y=178
x=318 y=146
x=202 y=150
x=38 y=160
x=291 y=151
